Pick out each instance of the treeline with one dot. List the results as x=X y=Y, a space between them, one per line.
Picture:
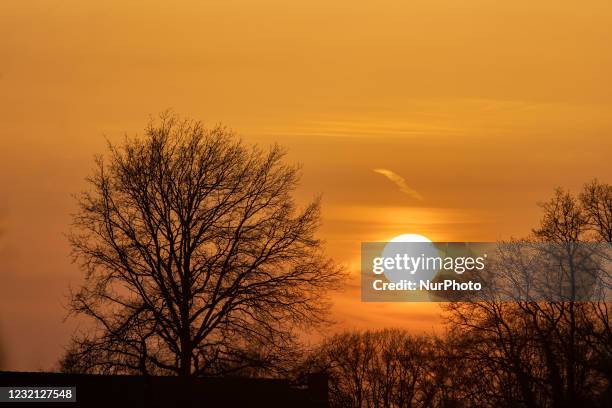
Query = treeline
x=386 y=368
x=512 y=358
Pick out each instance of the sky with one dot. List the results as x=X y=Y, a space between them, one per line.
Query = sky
x=437 y=117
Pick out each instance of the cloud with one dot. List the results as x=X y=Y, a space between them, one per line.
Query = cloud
x=400 y=182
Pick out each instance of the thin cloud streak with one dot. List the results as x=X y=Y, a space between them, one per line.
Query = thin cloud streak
x=400 y=182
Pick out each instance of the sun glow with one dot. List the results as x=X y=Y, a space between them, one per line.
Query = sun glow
x=410 y=238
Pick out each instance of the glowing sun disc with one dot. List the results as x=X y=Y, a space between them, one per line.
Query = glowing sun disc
x=410 y=238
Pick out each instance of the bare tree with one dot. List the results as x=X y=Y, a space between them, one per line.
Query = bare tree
x=197 y=260
x=384 y=368
x=547 y=352
x=596 y=199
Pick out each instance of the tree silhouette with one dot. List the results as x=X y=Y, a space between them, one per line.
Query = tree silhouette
x=383 y=368
x=596 y=200
x=197 y=260
x=548 y=352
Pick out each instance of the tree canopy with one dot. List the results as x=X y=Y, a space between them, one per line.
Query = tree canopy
x=197 y=259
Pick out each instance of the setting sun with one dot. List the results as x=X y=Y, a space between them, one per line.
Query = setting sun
x=410 y=238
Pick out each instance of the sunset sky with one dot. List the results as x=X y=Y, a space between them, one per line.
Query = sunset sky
x=445 y=118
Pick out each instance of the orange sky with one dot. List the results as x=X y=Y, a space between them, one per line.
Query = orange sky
x=481 y=107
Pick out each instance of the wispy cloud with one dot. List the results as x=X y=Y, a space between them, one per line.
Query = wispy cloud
x=400 y=182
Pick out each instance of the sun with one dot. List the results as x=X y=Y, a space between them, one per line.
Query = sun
x=410 y=238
